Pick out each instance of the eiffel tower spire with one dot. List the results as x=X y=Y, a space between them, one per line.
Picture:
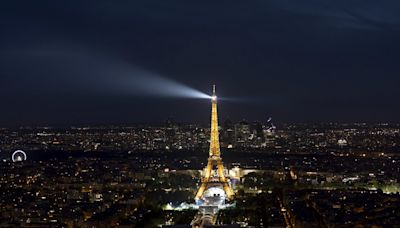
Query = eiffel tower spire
x=214 y=134
x=214 y=159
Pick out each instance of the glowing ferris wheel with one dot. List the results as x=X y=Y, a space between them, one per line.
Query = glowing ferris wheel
x=18 y=156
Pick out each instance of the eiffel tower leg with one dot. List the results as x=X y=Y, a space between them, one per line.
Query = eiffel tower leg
x=228 y=190
x=221 y=171
x=208 y=170
x=200 y=191
x=205 y=180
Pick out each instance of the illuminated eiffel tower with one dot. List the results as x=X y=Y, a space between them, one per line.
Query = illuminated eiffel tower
x=211 y=177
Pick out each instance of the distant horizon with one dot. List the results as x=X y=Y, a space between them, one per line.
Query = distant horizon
x=202 y=124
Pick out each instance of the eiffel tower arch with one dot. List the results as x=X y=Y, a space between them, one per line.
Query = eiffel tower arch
x=214 y=175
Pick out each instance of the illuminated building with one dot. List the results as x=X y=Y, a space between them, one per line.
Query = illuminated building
x=18 y=156
x=214 y=178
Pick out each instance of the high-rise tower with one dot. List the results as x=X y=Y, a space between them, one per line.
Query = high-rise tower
x=211 y=177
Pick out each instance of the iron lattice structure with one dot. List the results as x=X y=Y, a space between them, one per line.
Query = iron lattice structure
x=214 y=160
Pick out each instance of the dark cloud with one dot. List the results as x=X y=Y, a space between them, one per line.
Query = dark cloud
x=297 y=61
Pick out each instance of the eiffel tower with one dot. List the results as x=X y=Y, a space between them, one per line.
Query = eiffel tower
x=211 y=177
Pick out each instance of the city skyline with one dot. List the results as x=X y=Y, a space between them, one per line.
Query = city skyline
x=298 y=176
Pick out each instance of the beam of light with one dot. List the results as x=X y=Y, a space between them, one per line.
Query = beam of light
x=141 y=82
x=244 y=99
x=79 y=71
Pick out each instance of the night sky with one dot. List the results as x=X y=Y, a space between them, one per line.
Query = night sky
x=77 y=62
